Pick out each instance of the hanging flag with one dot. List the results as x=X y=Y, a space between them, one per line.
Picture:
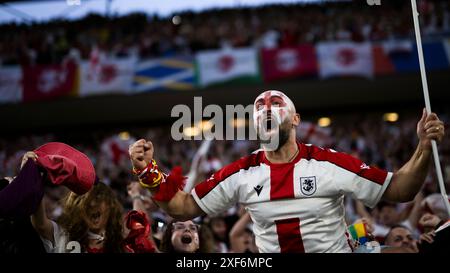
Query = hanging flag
x=345 y=59
x=434 y=54
x=106 y=77
x=11 y=90
x=382 y=62
x=168 y=73
x=43 y=82
x=218 y=66
x=398 y=46
x=282 y=63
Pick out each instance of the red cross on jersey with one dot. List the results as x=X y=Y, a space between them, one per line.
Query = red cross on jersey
x=296 y=206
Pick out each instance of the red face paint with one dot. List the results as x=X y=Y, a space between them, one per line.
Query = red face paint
x=273 y=103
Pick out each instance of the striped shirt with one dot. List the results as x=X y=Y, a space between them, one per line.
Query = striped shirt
x=296 y=206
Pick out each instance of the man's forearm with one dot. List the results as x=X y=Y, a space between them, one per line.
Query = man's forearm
x=407 y=181
x=181 y=207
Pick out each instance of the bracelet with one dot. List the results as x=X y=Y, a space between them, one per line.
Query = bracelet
x=150 y=177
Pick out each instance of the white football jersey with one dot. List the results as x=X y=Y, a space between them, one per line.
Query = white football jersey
x=296 y=206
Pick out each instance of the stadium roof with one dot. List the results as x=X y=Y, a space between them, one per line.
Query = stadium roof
x=45 y=10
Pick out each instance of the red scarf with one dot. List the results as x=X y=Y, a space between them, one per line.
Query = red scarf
x=137 y=240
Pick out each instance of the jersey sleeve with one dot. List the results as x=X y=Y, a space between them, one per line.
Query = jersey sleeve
x=353 y=176
x=219 y=192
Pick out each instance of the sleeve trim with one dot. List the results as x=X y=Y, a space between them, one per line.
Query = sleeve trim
x=386 y=184
x=200 y=203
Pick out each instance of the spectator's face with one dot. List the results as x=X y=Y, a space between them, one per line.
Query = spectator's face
x=272 y=116
x=219 y=229
x=401 y=237
x=185 y=237
x=388 y=216
x=96 y=216
x=249 y=241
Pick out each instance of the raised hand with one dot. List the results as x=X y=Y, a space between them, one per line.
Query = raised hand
x=429 y=128
x=28 y=155
x=141 y=153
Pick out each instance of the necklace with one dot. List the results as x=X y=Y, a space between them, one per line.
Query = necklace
x=95 y=236
x=292 y=158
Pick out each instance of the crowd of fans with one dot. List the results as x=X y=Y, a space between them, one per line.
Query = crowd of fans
x=186 y=33
x=377 y=142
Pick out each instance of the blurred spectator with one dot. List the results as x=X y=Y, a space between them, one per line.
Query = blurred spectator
x=242 y=239
x=17 y=235
x=266 y=26
x=218 y=228
x=187 y=237
x=400 y=239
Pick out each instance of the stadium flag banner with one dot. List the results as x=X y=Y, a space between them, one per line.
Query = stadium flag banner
x=446 y=44
x=345 y=59
x=290 y=62
x=219 y=66
x=381 y=61
x=398 y=46
x=168 y=73
x=11 y=90
x=44 y=82
x=382 y=52
x=107 y=76
x=434 y=54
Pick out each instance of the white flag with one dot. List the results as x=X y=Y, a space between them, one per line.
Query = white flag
x=106 y=76
x=11 y=90
x=397 y=46
x=345 y=59
x=215 y=66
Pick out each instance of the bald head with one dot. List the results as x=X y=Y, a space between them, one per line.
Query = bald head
x=274 y=118
x=272 y=95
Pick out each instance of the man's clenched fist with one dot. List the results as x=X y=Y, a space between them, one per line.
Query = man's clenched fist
x=141 y=153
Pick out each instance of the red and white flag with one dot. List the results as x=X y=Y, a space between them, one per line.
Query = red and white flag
x=43 y=82
x=102 y=75
x=345 y=59
x=282 y=63
x=218 y=66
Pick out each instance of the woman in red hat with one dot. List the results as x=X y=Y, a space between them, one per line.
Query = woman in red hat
x=91 y=220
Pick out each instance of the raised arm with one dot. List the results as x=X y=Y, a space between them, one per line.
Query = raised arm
x=407 y=181
x=182 y=206
x=237 y=231
x=41 y=223
x=39 y=219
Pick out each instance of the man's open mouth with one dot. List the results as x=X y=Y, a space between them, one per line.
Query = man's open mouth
x=268 y=124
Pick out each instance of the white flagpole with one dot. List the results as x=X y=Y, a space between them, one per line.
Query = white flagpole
x=427 y=102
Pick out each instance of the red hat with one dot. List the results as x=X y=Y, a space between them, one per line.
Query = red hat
x=66 y=166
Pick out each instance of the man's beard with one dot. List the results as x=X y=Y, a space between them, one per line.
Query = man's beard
x=282 y=136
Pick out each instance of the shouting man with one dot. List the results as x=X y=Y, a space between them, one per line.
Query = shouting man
x=294 y=192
